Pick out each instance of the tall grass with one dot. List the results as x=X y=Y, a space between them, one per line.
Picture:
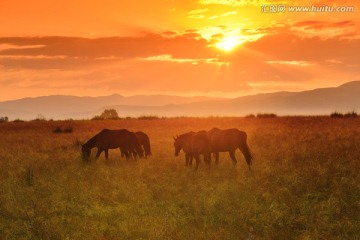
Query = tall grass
x=304 y=183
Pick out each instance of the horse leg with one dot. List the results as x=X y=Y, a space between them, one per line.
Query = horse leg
x=122 y=152
x=207 y=159
x=127 y=155
x=98 y=152
x=135 y=155
x=233 y=158
x=216 y=158
x=197 y=161
x=107 y=153
x=187 y=159
x=191 y=157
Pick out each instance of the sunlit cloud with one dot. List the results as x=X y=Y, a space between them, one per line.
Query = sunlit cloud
x=197 y=13
x=4 y=46
x=234 y=3
x=24 y=57
x=326 y=30
x=291 y=63
x=223 y=15
x=333 y=61
x=169 y=58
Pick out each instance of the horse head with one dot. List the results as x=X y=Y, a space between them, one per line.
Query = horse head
x=86 y=151
x=177 y=145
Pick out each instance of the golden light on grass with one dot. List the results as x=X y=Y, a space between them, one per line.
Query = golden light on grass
x=48 y=192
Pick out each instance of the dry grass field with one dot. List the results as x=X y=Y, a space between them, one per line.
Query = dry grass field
x=304 y=183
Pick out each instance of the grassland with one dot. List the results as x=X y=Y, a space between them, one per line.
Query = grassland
x=305 y=183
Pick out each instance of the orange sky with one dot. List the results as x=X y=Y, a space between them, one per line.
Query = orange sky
x=202 y=47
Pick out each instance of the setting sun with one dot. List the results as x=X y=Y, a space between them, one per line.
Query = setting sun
x=229 y=43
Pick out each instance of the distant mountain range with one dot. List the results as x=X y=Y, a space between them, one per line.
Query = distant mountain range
x=314 y=102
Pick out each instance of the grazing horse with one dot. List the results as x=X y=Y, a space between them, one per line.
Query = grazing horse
x=109 y=139
x=229 y=140
x=144 y=142
x=193 y=144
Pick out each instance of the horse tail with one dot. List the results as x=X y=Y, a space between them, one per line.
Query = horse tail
x=138 y=149
x=244 y=148
x=147 y=147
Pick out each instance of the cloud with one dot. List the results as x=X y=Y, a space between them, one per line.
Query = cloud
x=291 y=63
x=170 y=59
x=12 y=46
x=326 y=29
x=197 y=13
x=223 y=15
x=233 y=3
x=42 y=52
x=287 y=45
x=323 y=24
x=180 y=62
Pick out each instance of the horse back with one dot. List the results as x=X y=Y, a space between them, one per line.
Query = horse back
x=201 y=142
x=226 y=140
x=108 y=139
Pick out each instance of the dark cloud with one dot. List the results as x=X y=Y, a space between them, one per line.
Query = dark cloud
x=126 y=47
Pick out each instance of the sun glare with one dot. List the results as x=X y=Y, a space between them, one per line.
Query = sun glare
x=228 y=43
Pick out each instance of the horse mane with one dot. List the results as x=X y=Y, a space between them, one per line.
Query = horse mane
x=92 y=141
x=147 y=147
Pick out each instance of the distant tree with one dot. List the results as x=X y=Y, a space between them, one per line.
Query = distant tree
x=107 y=114
x=352 y=114
x=250 y=115
x=40 y=117
x=18 y=120
x=336 y=115
x=4 y=119
x=148 y=117
x=57 y=130
x=266 y=115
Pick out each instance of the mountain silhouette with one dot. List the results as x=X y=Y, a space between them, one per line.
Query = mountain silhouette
x=313 y=102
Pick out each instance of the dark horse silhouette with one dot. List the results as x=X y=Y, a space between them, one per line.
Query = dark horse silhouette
x=229 y=140
x=109 y=139
x=193 y=144
x=144 y=142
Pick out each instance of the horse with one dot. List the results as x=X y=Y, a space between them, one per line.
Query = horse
x=109 y=139
x=228 y=140
x=193 y=144
x=144 y=142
